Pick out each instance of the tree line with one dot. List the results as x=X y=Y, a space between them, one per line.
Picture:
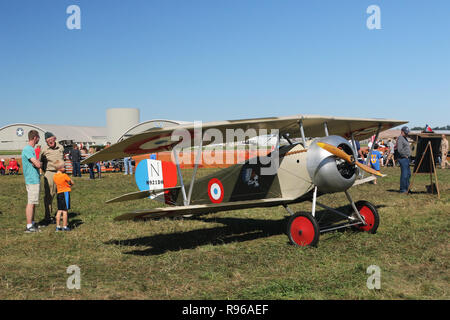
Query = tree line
x=447 y=127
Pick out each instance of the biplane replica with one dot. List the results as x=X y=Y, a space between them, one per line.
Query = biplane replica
x=321 y=161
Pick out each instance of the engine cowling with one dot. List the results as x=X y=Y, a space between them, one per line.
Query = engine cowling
x=328 y=172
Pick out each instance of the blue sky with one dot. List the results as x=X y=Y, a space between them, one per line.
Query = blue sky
x=217 y=60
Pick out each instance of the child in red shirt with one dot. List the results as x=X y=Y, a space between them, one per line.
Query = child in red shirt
x=63 y=187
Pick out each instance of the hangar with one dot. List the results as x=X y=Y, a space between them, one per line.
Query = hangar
x=121 y=123
x=15 y=136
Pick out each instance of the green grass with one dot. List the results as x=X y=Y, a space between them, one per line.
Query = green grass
x=241 y=254
x=10 y=152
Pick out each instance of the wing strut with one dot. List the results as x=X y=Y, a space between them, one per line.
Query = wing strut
x=302 y=132
x=198 y=159
x=354 y=146
x=361 y=174
x=180 y=176
x=314 y=200
x=325 y=126
x=286 y=136
x=354 y=208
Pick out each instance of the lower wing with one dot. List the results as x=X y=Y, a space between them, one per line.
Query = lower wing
x=139 y=194
x=202 y=209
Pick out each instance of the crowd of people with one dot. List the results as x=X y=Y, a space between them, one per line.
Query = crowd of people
x=11 y=168
x=386 y=150
x=48 y=162
x=400 y=151
x=79 y=153
x=380 y=154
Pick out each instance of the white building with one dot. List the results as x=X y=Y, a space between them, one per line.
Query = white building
x=15 y=136
x=121 y=123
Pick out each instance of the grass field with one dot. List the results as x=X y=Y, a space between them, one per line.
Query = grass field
x=10 y=152
x=230 y=255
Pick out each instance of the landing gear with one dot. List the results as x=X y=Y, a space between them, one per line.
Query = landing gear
x=303 y=230
x=370 y=215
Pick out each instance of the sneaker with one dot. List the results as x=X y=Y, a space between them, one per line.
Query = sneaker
x=66 y=229
x=32 y=229
x=59 y=229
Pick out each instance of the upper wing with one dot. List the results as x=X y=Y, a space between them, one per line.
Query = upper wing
x=161 y=139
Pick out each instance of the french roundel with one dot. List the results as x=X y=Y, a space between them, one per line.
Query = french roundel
x=215 y=190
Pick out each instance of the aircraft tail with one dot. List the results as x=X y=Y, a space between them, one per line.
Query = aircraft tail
x=152 y=174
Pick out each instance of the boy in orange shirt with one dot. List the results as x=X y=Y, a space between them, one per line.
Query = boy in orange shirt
x=63 y=186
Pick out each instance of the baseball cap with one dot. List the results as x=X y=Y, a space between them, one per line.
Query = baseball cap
x=405 y=129
x=48 y=135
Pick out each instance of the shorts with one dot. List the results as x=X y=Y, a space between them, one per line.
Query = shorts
x=33 y=193
x=49 y=185
x=63 y=200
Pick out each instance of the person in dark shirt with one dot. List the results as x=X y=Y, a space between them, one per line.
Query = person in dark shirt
x=404 y=152
x=75 y=157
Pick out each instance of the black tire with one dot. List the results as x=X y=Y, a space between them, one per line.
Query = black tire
x=370 y=214
x=303 y=230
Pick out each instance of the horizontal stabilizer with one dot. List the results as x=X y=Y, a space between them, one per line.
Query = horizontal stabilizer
x=139 y=195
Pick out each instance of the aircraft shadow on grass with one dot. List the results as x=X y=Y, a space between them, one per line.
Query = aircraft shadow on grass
x=73 y=222
x=235 y=230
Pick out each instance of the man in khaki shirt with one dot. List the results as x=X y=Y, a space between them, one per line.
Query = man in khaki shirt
x=50 y=153
x=444 y=151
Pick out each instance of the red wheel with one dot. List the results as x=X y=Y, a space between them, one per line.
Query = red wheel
x=370 y=215
x=302 y=230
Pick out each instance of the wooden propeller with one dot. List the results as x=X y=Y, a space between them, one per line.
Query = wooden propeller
x=350 y=159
